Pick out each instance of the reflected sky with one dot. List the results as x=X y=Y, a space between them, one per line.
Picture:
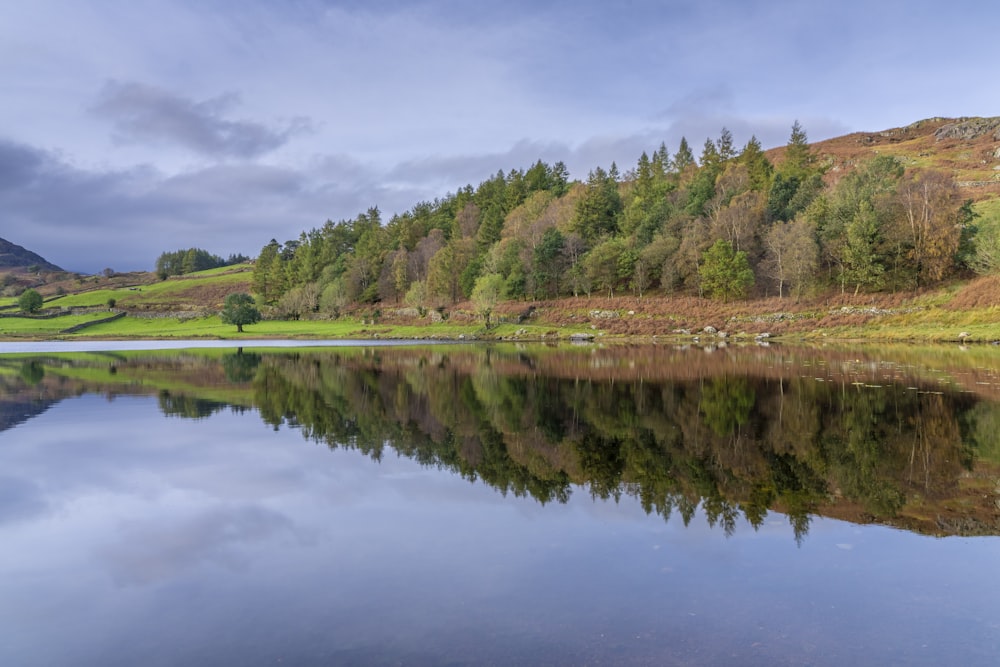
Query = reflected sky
x=133 y=538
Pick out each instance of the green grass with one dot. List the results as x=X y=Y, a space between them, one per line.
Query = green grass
x=28 y=327
x=173 y=293
x=212 y=327
x=136 y=327
x=93 y=299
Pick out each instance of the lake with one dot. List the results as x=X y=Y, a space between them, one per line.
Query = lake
x=499 y=505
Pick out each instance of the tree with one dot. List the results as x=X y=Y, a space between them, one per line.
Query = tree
x=932 y=224
x=598 y=210
x=724 y=145
x=602 y=265
x=239 y=309
x=486 y=294
x=30 y=301
x=758 y=166
x=266 y=282
x=792 y=254
x=725 y=273
x=548 y=264
x=799 y=159
x=684 y=158
x=863 y=262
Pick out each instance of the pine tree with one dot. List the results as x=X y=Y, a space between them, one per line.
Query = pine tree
x=759 y=168
x=724 y=145
x=799 y=159
x=684 y=158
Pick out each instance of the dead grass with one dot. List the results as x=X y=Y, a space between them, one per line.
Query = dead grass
x=983 y=292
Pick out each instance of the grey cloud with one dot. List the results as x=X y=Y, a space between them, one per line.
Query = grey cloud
x=141 y=113
x=701 y=102
x=150 y=552
x=455 y=171
x=86 y=220
x=20 y=498
x=18 y=165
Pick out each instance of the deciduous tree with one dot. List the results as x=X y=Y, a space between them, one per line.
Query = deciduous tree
x=239 y=309
x=724 y=272
x=486 y=294
x=30 y=301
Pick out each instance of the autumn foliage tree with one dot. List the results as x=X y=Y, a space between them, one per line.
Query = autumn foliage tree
x=655 y=228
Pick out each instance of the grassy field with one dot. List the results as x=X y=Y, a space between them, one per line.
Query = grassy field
x=11 y=327
x=185 y=307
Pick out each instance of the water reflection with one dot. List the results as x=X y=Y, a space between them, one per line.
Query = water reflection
x=901 y=437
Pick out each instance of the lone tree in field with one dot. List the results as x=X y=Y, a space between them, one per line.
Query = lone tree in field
x=30 y=301
x=239 y=309
x=725 y=273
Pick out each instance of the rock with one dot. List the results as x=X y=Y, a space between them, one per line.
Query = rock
x=762 y=336
x=710 y=330
x=969 y=128
x=578 y=337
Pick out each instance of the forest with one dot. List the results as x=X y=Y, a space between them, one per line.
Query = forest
x=729 y=224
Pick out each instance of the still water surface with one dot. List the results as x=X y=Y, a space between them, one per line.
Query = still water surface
x=499 y=506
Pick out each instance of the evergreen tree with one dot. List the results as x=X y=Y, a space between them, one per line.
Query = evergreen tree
x=759 y=168
x=597 y=211
x=684 y=158
x=799 y=159
x=724 y=145
x=265 y=272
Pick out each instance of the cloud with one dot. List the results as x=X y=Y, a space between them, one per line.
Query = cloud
x=150 y=551
x=146 y=114
x=21 y=498
x=88 y=219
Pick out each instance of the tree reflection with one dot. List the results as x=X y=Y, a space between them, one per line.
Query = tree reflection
x=737 y=434
x=738 y=446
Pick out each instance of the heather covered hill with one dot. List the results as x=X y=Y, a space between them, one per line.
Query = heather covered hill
x=13 y=256
x=966 y=149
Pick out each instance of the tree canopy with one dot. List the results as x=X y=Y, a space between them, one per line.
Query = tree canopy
x=653 y=228
x=239 y=309
x=30 y=301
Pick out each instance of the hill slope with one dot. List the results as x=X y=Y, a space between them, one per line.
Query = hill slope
x=13 y=256
x=967 y=149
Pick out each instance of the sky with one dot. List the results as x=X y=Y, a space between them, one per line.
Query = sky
x=133 y=127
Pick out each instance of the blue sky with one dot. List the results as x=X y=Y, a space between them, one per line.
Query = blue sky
x=131 y=128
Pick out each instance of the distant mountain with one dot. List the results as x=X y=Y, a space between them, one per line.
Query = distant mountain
x=13 y=256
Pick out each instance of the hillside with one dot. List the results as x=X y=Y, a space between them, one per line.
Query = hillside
x=966 y=149
x=13 y=256
x=862 y=236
